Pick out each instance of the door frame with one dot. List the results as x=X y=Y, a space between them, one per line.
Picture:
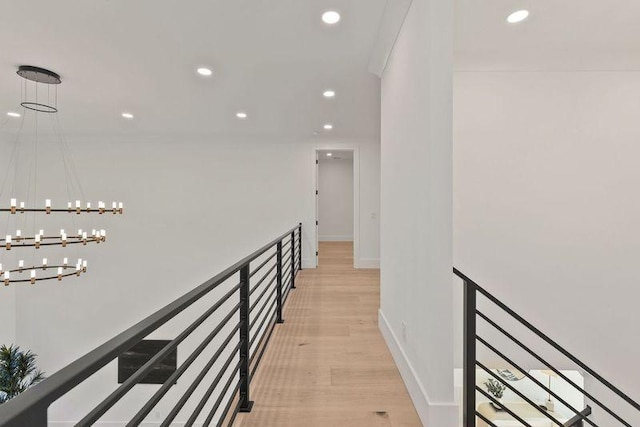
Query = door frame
x=356 y=197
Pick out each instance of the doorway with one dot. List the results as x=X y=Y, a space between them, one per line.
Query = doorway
x=336 y=205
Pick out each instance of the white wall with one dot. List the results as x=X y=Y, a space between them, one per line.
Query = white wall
x=416 y=236
x=194 y=205
x=546 y=209
x=335 y=200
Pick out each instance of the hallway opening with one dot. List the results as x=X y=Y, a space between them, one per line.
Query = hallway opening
x=336 y=199
x=328 y=364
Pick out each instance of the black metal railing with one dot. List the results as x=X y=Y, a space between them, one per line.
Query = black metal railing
x=472 y=316
x=272 y=278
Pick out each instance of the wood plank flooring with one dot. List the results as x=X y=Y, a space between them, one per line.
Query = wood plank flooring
x=328 y=365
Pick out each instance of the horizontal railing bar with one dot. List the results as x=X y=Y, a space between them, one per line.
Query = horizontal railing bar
x=58 y=384
x=529 y=376
x=266 y=288
x=210 y=390
x=547 y=364
x=286 y=268
x=178 y=406
x=257 y=316
x=285 y=243
x=263 y=347
x=151 y=403
x=235 y=410
x=583 y=414
x=500 y=405
x=262 y=265
x=286 y=294
x=286 y=278
x=134 y=379
x=548 y=340
x=213 y=411
x=265 y=303
x=485 y=419
x=522 y=396
x=261 y=280
x=264 y=319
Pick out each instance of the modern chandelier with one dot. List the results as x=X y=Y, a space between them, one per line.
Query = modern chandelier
x=23 y=216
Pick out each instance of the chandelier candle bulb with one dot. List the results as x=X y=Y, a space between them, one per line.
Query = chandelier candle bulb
x=20 y=265
x=7 y=278
x=101 y=207
x=78 y=207
x=65 y=262
x=18 y=235
x=37 y=240
x=69 y=206
x=44 y=263
x=47 y=206
x=120 y=207
x=88 y=206
x=33 y=277
x=7 y=242
x=59 y=274
x=13 y=206
x=22 y=207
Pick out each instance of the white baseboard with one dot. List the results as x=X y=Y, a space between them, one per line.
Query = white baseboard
x=335 y=238
x=367 y=263
x=431 y=414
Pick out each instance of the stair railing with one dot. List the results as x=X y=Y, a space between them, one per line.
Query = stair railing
x=471 y=338
x=255 y=319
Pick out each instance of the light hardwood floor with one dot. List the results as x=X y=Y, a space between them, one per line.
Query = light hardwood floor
x=328 y=365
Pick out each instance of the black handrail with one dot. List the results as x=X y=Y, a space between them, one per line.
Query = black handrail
x=471 y=290
x=30 y=408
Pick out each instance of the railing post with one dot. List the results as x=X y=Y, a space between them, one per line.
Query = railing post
x=299 y=246
x=245 y=403
x=293 y=259
x=279 y=318
x=469 y=381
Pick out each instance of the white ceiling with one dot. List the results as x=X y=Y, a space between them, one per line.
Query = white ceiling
x=271 y=58
x=558 y=35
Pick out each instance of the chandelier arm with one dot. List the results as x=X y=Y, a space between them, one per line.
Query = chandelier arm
x=40 y=267
x=71 y=211
x=41 y=279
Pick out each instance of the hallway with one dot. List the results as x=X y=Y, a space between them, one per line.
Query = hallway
x=328 y=365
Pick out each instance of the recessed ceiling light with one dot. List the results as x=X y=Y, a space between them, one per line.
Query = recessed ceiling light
x=328 y=126
x=517 y=16
x=241 y=115
x=329 y=154
x=127 y=116
x=12 y=114
x=204 y=71
x=331 y=17
x=329 y=93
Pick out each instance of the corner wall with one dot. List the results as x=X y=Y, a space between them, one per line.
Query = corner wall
x=547 y=207
x=416 y=209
